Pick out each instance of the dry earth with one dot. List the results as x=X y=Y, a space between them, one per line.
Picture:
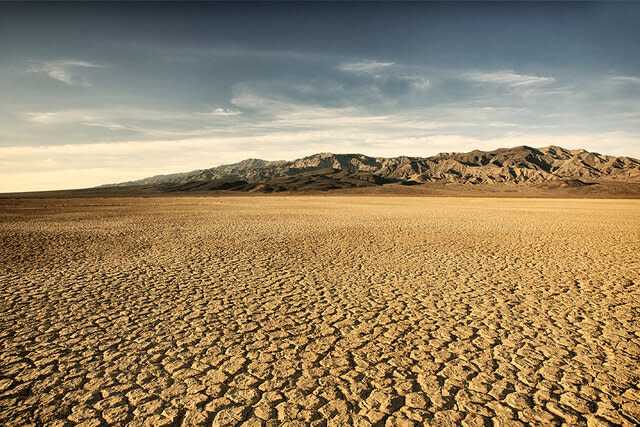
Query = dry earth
x=319 y=310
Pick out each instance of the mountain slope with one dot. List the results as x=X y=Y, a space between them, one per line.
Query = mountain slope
x=518 y=165
x=314 y=180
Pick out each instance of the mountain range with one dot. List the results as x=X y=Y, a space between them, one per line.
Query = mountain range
x=547 y=167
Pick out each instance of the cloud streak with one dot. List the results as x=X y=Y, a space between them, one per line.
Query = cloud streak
x=65 y=71
x=365 y=67
x=119 y=117
x=223 y=112
x=626 y=79
x=508 y=78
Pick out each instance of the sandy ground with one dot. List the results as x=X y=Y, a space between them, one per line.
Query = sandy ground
x=319 y=310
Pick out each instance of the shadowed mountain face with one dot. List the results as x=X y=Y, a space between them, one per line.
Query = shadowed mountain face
x=314 y=180
x=548 y=166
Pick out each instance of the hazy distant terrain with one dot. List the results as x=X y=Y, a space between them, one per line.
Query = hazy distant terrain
x=543 y=168
x=319 y=310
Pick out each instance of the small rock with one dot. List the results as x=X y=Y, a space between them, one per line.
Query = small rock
x=416 y=400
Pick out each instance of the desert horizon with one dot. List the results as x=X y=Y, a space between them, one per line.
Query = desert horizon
x=550 y=171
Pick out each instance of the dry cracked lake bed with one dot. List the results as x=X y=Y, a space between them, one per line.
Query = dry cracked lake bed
x=319 y=310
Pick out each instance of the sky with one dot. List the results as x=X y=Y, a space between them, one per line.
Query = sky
x=95 y=93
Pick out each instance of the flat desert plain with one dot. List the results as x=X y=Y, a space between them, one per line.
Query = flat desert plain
x=319 y=310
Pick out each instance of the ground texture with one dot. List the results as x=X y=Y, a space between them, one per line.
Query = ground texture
x=319 y=310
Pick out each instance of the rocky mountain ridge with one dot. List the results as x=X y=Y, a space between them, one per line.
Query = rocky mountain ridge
x=518 y=165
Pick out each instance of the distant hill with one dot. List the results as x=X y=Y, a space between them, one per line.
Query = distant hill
x=547 y=167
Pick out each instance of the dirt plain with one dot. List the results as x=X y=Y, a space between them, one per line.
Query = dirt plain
x=319 y=310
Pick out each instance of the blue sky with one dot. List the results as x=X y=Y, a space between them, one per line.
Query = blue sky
x=100 y=93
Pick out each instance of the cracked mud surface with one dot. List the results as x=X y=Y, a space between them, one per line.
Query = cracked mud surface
x=319 y=310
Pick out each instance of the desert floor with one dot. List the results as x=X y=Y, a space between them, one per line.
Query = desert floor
x=319 y=310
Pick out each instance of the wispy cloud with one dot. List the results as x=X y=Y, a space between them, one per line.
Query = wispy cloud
x=118 y=117
x=626 y=79
x=419 y=83
x=65 y=71
x=384 y=72
x=223 y=112
x=365 y=67
x=353 y=123
x=508 y=78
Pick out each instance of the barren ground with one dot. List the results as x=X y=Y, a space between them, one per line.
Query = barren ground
x=319 y=309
